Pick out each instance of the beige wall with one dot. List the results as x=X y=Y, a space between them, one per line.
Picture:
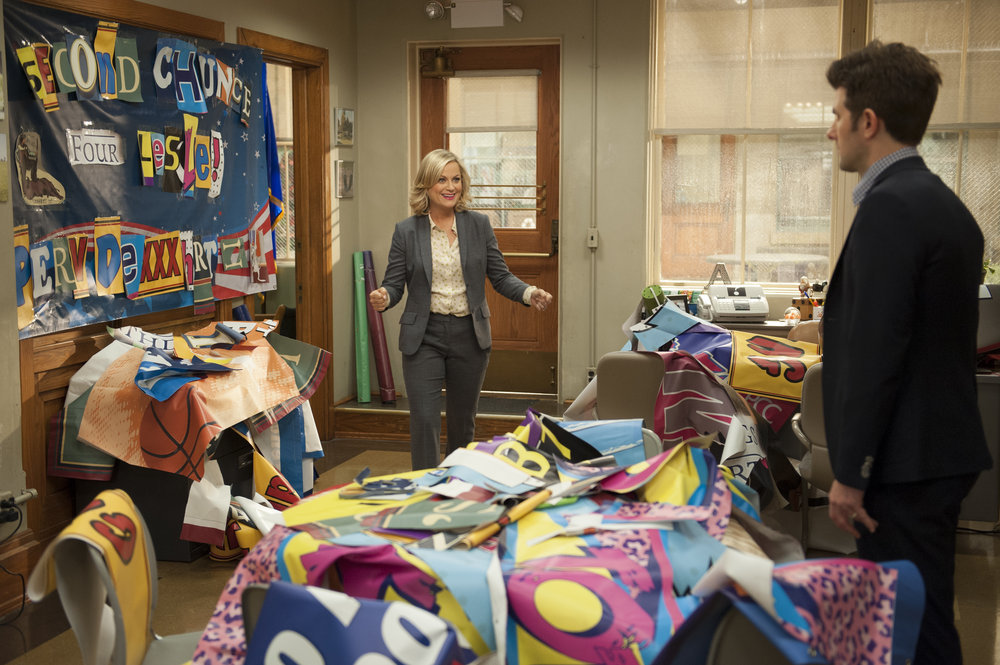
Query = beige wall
x=11 y=474
x=603 y=159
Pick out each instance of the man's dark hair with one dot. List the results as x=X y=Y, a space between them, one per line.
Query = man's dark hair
x=897 y=82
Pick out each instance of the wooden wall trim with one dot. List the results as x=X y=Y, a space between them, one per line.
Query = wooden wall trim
x=143 y=15
x=313 y=205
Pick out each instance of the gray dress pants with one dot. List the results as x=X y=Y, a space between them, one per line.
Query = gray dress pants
x=449 y=356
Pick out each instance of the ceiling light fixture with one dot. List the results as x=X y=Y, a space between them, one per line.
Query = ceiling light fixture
x=514 y=11
x=435 y=9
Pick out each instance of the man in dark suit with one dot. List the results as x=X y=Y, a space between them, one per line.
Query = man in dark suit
x=906 y=440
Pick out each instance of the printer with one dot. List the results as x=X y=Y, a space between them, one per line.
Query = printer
x=733 y=303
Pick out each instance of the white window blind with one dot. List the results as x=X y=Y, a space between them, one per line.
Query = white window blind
x=487 y=102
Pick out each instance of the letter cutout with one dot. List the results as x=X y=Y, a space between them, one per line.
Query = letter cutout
x=22 y=277
x=158 y=151
x=129 y=77
x=39 y=75
x=190 y=134
x=202 y=256
x=174 y=159
x=79 y=247
x=104 y=50
x=41 y=269
x=83 y=65
x=202 y=162
x=206 y=73
x=147 y=169
x=163 y=69
x=62 y=266
x=245 y=109
x=108 y=256
x=187 y=87
x=187 y=250
x=231 y=254
x=161 y=266
x=61 y=68
x=218 y=161
x=132 y=257
x=225 y=75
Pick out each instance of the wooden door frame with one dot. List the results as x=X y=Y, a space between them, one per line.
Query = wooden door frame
x=313 y=208
x=525 y=344
x=516 y=56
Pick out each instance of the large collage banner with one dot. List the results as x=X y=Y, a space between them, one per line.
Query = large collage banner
x=140 y=167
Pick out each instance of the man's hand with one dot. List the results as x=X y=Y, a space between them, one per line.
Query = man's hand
x=847 y=509
x=540 y=299
x=379 y=298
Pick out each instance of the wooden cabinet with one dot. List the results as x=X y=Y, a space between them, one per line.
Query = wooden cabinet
x=48 y=362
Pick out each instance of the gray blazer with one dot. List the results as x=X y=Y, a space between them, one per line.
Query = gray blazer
x=410 y=266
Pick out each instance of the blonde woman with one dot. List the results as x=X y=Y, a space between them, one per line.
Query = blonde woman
x=443 y=255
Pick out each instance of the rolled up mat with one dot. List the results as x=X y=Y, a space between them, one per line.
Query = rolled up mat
x=361 y=330
x=376 y=331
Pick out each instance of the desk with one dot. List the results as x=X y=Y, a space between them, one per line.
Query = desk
x=983 y=502
x=772 y=328
x=616 y=591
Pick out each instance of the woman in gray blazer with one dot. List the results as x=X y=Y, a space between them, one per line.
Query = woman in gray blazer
x=443 y=255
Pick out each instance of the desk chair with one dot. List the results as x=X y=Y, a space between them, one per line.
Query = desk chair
x=110 y=627
x=738 y=642
x=276 y=315
x=627 y=385
x=808 y=426
x=807 y=331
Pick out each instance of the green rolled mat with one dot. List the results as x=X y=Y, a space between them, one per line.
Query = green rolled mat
x=361 y=330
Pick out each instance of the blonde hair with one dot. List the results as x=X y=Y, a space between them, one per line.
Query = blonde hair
x=428 y=173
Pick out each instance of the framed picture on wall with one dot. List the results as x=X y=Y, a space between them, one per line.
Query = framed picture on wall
x=345 y=179
x=345 y=126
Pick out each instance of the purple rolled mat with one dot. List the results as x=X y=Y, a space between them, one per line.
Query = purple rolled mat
x=376 y=332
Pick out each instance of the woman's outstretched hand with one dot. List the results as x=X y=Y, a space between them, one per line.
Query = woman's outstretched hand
x=379 y=298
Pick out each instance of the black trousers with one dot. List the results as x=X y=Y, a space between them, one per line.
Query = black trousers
x=449 y=356
x=917 y=521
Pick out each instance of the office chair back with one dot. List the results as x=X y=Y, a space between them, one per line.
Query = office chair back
x=807 y=331
x=105 y=548
x=627 y=385
x=738 y=642
x=808 y=425
x=277 y=315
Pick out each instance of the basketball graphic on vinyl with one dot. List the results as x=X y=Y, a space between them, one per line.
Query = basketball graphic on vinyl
x=175 y=433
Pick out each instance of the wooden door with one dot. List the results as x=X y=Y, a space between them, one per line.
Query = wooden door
x=524 y=210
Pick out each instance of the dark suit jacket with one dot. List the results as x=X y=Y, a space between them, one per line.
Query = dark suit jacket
x=899 y=342
x=410 y=266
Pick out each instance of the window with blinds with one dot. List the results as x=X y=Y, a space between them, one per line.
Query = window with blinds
x=741 y=110
x=492 y=124
x=962 y=144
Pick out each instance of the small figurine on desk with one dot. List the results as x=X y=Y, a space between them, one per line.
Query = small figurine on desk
x=804 y=286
